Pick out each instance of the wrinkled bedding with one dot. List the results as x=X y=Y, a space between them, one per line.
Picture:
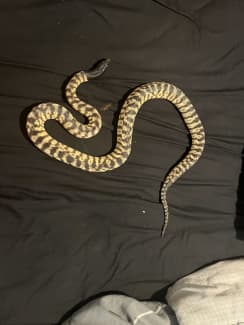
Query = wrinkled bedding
x=212 y=295
x=67 y=236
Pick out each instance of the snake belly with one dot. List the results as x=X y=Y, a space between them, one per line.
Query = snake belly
x=43 y=112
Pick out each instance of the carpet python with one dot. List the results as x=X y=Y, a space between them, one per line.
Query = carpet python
x=39 y=114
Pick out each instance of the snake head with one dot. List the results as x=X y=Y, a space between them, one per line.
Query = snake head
x=97 y=69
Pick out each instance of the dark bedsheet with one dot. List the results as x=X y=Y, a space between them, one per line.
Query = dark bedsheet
x=67 y=235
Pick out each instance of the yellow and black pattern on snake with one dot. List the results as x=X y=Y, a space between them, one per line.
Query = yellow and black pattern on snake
x=38 y=116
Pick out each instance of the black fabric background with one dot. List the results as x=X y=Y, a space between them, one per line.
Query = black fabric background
x=67 y=235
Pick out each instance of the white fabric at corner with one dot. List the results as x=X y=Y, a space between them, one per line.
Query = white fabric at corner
x=122 y=310
x=213 y=295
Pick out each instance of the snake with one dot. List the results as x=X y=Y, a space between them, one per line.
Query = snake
x=41 y=113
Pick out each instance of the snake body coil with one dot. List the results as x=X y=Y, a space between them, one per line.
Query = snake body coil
x=39 y=114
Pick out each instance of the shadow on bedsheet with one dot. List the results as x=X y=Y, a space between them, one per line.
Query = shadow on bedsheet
x=239 y=221
x=22 y=121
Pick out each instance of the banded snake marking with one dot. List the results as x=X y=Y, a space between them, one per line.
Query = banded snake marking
x=39 y=114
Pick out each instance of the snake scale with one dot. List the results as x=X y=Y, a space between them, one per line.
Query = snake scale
x=39 y=114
